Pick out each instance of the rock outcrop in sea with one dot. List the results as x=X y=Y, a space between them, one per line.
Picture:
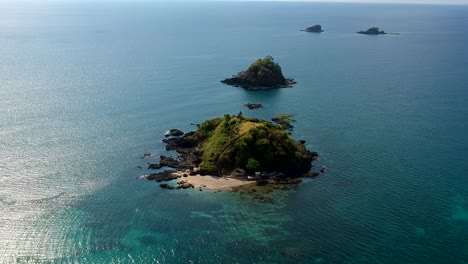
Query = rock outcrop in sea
x=253 y=106
x=261 y=75
x=314 y=29
x=174 y=133
x=372 y=31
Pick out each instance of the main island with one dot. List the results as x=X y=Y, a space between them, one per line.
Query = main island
x=235 y=150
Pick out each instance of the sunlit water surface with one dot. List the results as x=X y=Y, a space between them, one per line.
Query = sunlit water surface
x=86 y=89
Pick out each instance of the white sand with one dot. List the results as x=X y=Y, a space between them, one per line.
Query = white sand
x=213 y=182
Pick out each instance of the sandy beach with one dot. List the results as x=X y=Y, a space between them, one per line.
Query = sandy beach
x=213 y=182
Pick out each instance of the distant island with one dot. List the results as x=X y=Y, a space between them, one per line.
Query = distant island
x=372 y=31
x=314 y=29
x=236 y=149
x=261 y=75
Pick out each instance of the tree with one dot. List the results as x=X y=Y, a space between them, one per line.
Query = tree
x=269 y=58
x=252 y=165
x=284 y=120
x=265 y=72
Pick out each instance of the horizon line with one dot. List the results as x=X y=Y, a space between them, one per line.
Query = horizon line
x=398 y=2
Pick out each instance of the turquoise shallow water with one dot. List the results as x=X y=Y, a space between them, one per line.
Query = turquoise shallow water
x=85 y=89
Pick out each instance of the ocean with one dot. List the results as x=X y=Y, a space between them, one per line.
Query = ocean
x=87 y=88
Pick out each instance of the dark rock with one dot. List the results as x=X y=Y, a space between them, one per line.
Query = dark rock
x=168 y=161
x=290 y=181
x=261 y=75
x=262 y=182
x=184 y=185
x=139 y=167
x=146 y=155
x=176 y=143
x=323 y=169
x=281 y=122
x=166 y=175
x=277 y=176
x=314 y=155
x=172 y=143
x=185 y=160
x=174 y=133
x=372 y=31
x=167 y=186
x=253 y=106
x=311 y=174
x=154 y=166
x=314 y=29
x=302 y=141
x=171 y=147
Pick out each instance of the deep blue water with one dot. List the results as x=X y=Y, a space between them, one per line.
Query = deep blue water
x=85 y=89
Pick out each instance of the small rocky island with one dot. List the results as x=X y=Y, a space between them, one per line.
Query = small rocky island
x=238 y=149
x=372 y=31
x=252 y=106
x=314 y=29
x=263 y=74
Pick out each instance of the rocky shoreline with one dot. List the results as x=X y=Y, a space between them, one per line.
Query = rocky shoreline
x=263 y=74
x=241 y=80
x=185 y=167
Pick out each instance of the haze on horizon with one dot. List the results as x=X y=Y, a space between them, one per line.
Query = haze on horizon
x=465 y=2
x=442 y=2
x=462 y=2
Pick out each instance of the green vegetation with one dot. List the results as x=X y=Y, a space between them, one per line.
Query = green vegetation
x=284 y=120
x=262 y=74
x=265 y=72
x=238 y=142
x=252 y=165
